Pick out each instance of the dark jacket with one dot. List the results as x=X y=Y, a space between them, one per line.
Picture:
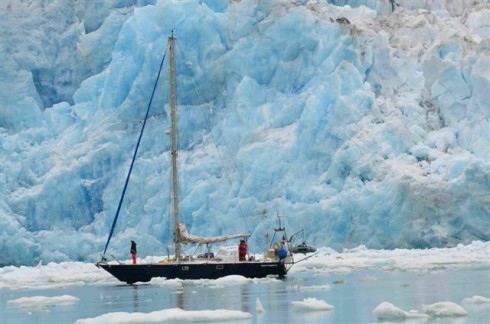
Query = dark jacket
x=133 y=247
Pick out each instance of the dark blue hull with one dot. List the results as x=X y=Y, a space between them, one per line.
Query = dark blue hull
x=131 y=273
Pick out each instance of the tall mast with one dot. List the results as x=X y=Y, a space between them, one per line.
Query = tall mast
x=173 y=118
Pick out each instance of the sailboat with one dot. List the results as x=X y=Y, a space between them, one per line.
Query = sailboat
x=231 y=260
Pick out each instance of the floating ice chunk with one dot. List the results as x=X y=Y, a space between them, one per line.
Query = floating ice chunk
x=42 y=302
x=233 y=279
x=387 y=310
x=478 y=300
x=258 y=306
x=52 y=275
x=168 y=315
x=312 y=304
x=170 y=283
x=315 y=288
x=443 y=309
x=398 y=259
x=223 y=281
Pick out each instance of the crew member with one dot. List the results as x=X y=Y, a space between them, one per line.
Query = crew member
x=133 y=251
x=242 y=250
x=283 y=252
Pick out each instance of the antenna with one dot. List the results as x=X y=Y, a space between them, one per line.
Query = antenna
x=281 y=228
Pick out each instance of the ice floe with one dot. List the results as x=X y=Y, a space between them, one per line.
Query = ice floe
x=328 y=261
x=42 y=302
x=477 y=300
x=388 y=311
x=168 y=315
x=312 y=304
x=444 y=309
x=315 y=288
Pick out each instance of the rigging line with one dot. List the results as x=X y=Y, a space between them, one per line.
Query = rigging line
x=227 y=172
x=134 y=155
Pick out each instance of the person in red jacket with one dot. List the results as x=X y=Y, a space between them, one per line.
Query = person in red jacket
x=133 y=251
x=242 y=251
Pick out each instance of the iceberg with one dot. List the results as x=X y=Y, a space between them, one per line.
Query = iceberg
x=312 y=304
x=361 y=124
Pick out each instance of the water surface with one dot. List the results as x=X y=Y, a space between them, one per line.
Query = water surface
x=354 y=295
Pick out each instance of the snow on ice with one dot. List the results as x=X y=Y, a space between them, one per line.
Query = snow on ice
x=388 y=311
x=362 y=126
x=42 y=303
x=445 y=309
x=168 y=315
x=312 y=304
x=477 y=300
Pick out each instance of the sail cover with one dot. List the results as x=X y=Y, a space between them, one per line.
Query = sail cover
x=185 y=237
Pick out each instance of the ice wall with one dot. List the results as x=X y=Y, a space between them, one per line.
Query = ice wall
x=386 y=7
x=361 y=126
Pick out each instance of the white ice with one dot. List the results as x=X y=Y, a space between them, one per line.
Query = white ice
x=168 y=315
x=312 y=304
x=54 y=275
x=388 y=311
x=42 y=303
x=330 y=261
x=258 y=306
x=477 y=300
x=444 y=309
x=315 y=288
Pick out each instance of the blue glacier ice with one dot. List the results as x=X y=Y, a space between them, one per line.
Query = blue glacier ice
x=359 y=124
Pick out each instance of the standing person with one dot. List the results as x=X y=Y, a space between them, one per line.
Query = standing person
x=133 y=251
x=242 y=251
x=283 y=252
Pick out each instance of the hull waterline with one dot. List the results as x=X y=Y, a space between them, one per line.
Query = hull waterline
x=131 y=273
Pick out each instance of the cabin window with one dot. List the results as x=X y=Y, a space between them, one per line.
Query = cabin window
x=185 y=268
x=219 y=267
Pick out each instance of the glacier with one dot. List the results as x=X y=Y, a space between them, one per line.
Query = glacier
x=360 y=124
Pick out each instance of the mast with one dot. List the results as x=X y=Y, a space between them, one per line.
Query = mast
x=173 y=118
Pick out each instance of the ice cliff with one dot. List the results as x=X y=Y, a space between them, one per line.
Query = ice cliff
x=359 y=124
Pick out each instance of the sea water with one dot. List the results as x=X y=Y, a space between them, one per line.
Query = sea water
x=353 y=294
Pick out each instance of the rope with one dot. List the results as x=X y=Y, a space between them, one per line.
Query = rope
x=134 y=157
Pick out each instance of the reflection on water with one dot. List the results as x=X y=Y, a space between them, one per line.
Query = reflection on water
x=354 y=296
x=136 y=298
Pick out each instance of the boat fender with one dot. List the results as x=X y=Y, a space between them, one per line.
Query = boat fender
x=282 y=254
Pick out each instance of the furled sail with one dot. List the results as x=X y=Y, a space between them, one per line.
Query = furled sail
x=185 y=237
